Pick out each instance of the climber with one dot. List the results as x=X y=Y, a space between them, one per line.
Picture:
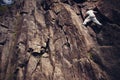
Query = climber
x=6 y=2
x=91 y=17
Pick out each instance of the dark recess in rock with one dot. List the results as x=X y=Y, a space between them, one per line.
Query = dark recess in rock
x=3 y=42
x=79 y=1
x=23 y=12
x=30 y=50
x=42 y=51
x=45 y=5
x=23 y=64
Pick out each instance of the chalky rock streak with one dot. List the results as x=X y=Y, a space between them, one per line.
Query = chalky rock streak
x=45 y=40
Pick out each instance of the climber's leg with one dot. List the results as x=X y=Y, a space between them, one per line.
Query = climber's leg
x=96 y=21
x=86 y=21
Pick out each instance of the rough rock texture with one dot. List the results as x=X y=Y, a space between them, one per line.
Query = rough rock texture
x=45 y=40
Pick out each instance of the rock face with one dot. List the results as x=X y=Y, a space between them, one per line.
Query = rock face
x=45 y=40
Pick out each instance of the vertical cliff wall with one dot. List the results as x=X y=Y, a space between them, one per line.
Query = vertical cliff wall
x=45 y=40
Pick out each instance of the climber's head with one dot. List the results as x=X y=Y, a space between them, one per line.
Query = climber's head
x=89 y=9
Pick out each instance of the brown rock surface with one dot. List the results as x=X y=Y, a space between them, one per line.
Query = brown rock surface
x=45 y=40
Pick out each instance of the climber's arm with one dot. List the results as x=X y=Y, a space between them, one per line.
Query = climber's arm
x=86 y=15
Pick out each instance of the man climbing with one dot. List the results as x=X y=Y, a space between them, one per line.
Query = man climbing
x=91 y=17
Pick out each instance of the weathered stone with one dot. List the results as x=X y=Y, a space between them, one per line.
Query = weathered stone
x=45 y=40
x=56 y=7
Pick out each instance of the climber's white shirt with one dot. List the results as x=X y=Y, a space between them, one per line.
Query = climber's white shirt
x=90 y=13
x=8 y=1
x=91 y=17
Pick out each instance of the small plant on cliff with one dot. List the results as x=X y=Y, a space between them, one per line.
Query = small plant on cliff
x=90 y=55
